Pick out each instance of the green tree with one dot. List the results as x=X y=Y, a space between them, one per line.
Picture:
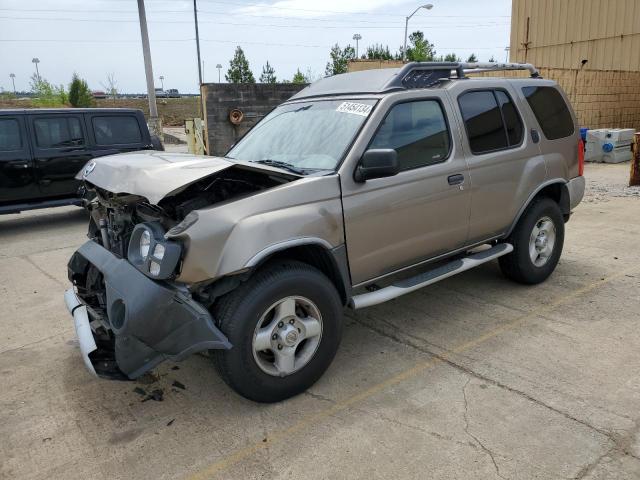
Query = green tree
x=47 y=95
x=299 y=77
x=339 y=59
x=492 y=59
x=268 y=74
x=79 y=93
x=420 y=50
x=472 y=58
x=378 y=52
x=239 y=71
x=451 y=57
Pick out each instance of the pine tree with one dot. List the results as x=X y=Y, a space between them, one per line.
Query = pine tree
x=239 y=71
x=451 y=57
x=79 y=94
x=492 y=59
x=420 y=50
x=299 y=77
x=472 y=58
x=339 y=59
x=268 y=74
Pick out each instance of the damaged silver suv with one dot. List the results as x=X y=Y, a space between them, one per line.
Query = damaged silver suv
x=361 y=188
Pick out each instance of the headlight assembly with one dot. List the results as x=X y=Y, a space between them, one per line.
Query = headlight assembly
x=150 y=253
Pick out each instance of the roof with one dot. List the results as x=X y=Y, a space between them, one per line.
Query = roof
x=38 y=111
x=412 y=75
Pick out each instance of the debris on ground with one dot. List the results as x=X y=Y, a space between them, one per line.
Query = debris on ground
x=140 y=391
x=179 y=385
x=156 y=395
x=170 y=422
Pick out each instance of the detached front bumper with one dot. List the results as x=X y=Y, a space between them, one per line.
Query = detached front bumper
x=144 y=322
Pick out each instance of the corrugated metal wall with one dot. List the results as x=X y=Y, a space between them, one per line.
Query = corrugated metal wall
x=561 y=33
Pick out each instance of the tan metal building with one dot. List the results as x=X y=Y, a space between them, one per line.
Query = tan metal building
x=564 y=33
x=590 y=47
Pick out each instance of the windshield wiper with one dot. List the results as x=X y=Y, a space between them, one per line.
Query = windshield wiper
x=278 y=164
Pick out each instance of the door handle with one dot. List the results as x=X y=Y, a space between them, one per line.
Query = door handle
x=457 y=179
x=18 y=165
x=535 y=136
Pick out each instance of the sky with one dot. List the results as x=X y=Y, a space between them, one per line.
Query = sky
x=96 y=38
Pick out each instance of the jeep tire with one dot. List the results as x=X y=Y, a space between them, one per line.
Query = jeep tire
x=279 y=345
x=537 y=242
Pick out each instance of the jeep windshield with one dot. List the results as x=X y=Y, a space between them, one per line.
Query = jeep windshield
x=304 y=137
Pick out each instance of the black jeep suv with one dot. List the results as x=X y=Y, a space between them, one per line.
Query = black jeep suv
x=42 y=150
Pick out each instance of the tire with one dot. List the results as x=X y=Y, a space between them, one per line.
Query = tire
x=520 y=265
x=258 y=306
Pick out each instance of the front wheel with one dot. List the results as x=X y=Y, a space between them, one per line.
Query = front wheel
x=537 y=243
x=285 y=325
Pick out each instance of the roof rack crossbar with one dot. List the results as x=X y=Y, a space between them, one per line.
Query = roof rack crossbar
x=426 y=74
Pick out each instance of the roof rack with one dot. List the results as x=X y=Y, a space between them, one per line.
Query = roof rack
x=427 y=74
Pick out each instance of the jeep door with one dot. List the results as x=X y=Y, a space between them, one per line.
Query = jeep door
x=60 y=151
x=17 y=178
x=423 y=211
x=505 y=164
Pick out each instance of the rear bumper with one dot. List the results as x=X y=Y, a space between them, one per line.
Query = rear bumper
x=576 y=188
x=141 y=323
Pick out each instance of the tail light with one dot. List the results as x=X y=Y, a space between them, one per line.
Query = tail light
x=581 y=157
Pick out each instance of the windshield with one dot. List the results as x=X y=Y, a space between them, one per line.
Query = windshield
x=306 y=136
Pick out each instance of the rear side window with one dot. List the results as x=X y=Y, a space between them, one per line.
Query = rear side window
x=10 y=135
x=114 y=130
x=417 y=131
x=58 y=131
x=550 y=110
x=491 y=120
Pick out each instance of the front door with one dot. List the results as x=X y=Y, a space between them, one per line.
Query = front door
x=60 y=152
x=17 y=179
x=422 y=212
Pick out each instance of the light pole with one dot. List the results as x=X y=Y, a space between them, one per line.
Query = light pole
x=154 y=121
x=36 y=61
x=162 y=82
x=506 y=49
x=357 y=37
x=219 y=67
x=13 y=80
x=428 y=6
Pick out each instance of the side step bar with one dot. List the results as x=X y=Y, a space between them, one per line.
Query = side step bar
x=402 y=287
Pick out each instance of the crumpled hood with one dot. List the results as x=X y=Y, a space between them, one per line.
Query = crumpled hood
x=153 y=174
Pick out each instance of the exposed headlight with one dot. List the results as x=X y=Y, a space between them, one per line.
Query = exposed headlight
x=145 y=244
x=151 y=253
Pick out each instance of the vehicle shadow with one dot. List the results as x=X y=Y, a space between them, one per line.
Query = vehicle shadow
x=42 y=220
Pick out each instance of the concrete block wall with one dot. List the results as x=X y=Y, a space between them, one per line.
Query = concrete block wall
x=255 y=100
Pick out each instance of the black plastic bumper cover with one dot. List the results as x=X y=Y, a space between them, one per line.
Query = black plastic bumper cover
x=151 y=321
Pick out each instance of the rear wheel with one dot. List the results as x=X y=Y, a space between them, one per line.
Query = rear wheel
x=537 y=240
x=285 y=325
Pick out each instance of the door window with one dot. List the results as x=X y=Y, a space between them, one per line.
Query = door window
x=551 y=111
x=54 y=132
x=10 y=135
x=417 y=131
x=115 y=130
x=491 y=120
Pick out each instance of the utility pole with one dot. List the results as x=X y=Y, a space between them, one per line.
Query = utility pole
x=36 y=61
x=162 y=82
x=13 y=80
x=219 y=67
x=195 y=16
x=154 y=121
x=506 y=49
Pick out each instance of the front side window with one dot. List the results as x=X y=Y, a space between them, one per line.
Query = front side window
x=10 y=135
x=491 y=120
x=54 y=132
x=116 y=130
x=551 y=111
x=305 y=136
x=417 y=131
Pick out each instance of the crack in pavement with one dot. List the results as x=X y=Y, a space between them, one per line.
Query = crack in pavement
x=612 y=437
x=477 y=440
x=41 y=270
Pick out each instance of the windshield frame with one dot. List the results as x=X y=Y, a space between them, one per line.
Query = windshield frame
x=340 y=160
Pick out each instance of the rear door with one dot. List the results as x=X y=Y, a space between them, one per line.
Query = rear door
x=505 y=165
x=116 y=132
x=60 y=151
x=17 y=177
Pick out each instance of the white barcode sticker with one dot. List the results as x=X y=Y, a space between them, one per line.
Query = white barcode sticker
x=355 y=108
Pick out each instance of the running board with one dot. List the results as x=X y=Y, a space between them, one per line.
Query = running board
x=408 y=285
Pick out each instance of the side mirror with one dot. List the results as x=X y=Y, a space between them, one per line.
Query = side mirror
x=377 y=163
